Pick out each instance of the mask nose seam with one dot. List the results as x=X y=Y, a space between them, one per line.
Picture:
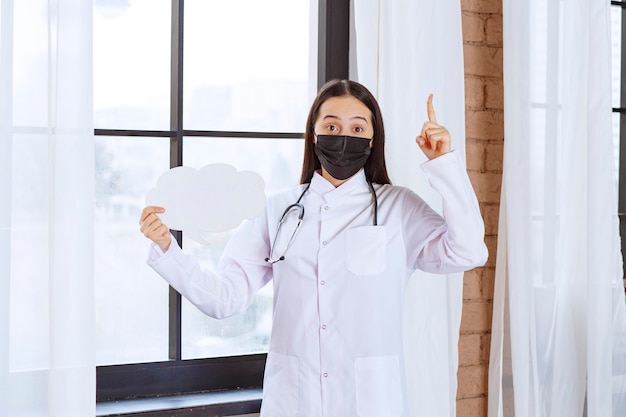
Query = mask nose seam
x=344 y=138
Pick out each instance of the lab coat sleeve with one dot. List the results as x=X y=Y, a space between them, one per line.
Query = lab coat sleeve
x=455 y=242
x=229 y=290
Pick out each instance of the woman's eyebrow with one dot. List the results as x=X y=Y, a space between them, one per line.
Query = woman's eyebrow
x=332 y=116
x=361 y=117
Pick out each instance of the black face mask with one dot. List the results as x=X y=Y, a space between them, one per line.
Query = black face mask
x=342 y=156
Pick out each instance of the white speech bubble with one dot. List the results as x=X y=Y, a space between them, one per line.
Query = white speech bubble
x=215 y=198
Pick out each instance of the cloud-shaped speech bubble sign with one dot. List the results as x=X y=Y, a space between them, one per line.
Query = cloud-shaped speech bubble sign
x=215 y=198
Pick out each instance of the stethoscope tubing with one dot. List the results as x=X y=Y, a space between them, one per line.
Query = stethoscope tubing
x=297 y=205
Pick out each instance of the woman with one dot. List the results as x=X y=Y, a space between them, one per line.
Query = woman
x=339 y=274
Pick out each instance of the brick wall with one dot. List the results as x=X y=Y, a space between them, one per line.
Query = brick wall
x=482 y=44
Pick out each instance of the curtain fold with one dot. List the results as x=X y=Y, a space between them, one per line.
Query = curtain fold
x=559 y=325
x=6 y=54
x=403 y=51
x=47 y=355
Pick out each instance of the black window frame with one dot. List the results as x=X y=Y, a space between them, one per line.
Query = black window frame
x=621 y=209
x=179 y=376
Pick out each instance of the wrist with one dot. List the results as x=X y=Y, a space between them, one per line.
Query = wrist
x=165 y=245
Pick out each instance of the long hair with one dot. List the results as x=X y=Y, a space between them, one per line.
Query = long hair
x=375 y=168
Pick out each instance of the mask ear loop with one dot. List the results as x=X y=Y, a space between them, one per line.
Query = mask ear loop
x=375 y=203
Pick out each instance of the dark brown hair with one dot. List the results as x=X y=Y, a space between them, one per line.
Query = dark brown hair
x=375 y=168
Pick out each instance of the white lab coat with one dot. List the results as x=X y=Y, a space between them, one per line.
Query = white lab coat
x=336 y=343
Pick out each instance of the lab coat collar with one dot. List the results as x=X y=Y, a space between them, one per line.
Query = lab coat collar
x=321 y=185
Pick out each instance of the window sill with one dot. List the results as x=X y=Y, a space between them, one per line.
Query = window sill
x=222 y=403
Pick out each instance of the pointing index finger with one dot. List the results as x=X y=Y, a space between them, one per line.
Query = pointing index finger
x=432 y=117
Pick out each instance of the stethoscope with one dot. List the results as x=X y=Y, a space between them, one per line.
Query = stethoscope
x=297 y=206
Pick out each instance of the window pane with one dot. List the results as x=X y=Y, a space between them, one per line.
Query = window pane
x=246 y=333
x=249 y=65
x=131 y=299
x=616 y=52
x=132 y=64
x=279 y=162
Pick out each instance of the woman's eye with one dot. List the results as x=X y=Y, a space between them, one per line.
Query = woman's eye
x=358 y=129
x=332 y=128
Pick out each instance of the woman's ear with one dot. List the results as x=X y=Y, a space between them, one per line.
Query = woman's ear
x=371 y=143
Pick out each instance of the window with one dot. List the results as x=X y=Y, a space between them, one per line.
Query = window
x=193 y=82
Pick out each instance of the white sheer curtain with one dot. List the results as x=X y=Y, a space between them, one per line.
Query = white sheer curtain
x=559 y=326
x=402 y=51
x=47 y=360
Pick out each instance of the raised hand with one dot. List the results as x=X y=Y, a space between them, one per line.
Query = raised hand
x=434 y=139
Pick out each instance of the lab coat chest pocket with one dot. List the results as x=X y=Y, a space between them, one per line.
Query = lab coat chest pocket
x=366 y=250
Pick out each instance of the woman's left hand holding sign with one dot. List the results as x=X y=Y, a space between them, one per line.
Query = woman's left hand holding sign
x=153 y=228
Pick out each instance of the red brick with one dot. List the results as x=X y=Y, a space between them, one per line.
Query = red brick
x=475 y=155
x=494 y=156
x=493 y=30
x=473 y=284
x=484 y=124
x=474 y=93
x=482 y=60
x=473 y=26
x=478 y=284
x=490 y=213
x=494 y=93
x=486 y=185
x=492 y=246
x=472 y=381
x=489 y=278
x=485 y=347
x=470 y=349
x=482 y=6
x=476 y=316
x=472 y=407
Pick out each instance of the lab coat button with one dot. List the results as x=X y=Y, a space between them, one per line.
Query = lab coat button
x=325 y=207
x=322 y=282
x=323 y=327
x=324 y=243
x=325 y=374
